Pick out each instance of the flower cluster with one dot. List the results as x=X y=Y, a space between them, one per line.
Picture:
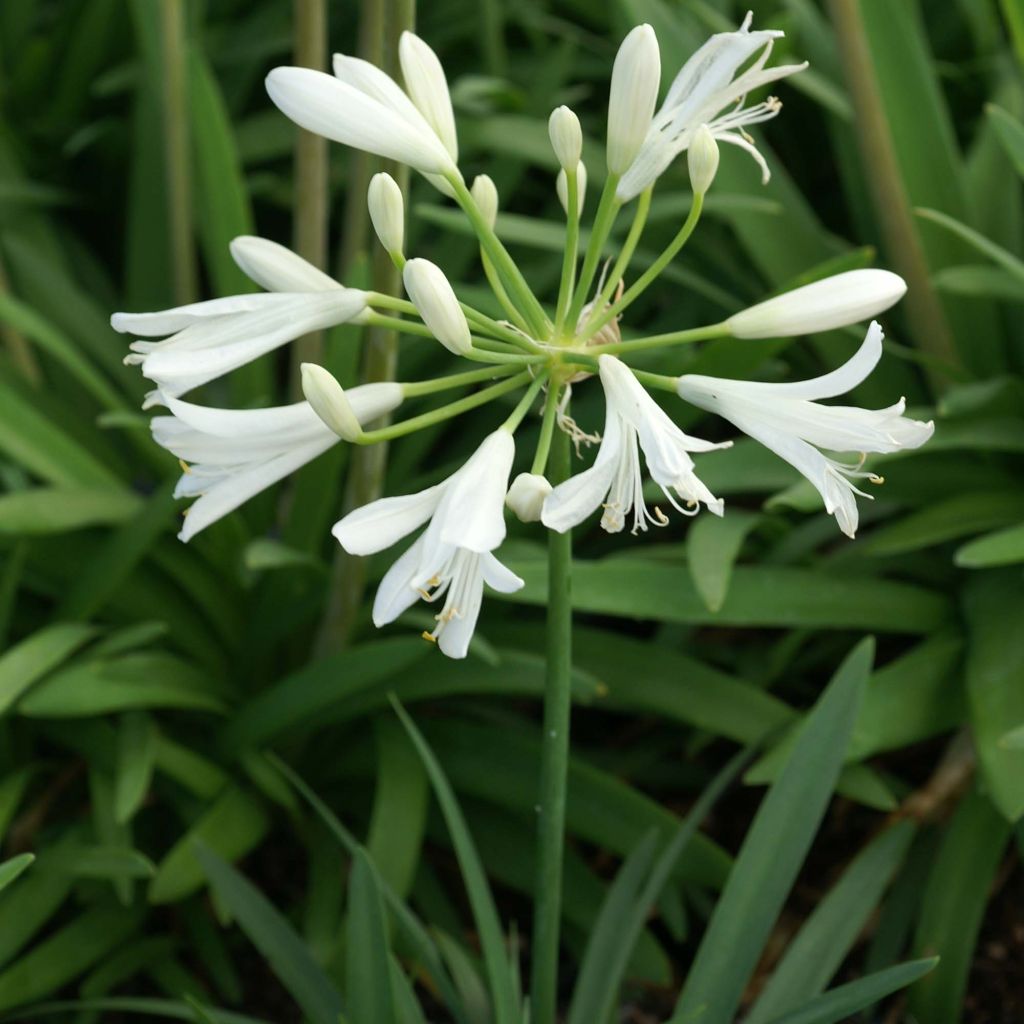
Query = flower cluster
x=231 y=455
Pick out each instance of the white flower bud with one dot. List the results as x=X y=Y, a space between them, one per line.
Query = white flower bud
x=832 y=302
x=562 y=187
x=276 y=268
x=636 y=75
x=526 y=496
x=329 y=402
x=428 y=88
x=566 y=137
x=702 y=160
x=387 y=211
x=436 y=302
x=485 y=195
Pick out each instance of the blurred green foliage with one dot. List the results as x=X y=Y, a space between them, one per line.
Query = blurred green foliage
x=160 y=712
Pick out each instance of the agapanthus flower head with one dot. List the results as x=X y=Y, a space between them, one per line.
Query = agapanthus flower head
x=788 y=419
x=710 y=90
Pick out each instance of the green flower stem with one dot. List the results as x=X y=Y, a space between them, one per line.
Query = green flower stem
x=607 y=210
x=567 y=286
x=496 y=351
x=512 y=277
x=648 y=276
x=661 y=340
x=502 y=296
x=417 y=388
x=512 y=423
x=656 y=380
x=554 y=761
x=643 y=206
x=547 y=426
x=446 y=412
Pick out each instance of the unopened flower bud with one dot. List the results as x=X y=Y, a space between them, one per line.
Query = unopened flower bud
x=436 y=302
x=832 y=302
x=562 y=187
x=636 y=75
x=329 y=402
x=702 y=160
x=387 y=211
x=526 y=496
x=485 y=195
x=566 y=137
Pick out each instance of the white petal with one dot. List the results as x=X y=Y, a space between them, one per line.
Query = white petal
x=323 y=104
x=428 y=88
x=371 y=401
x=456 y=634
x=633 y=94
x=238 y=488
x=245 y=423
x=386 y=521
x=170 y=321
x=472 y=511
x=369 y=79
x=396 y=592
x=581 y=495
x=276 y=268
x=499 y=577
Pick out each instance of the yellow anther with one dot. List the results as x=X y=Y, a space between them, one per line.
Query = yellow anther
x=429 y=636
x=185 y=467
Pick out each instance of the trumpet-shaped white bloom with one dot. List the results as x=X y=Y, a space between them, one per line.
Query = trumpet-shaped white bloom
x=709 y=82
x=208 y=339
x=831 y=302
x=453 y=557
x=231 y=455
x=615 y=481
x=363 y=107
x=787 y=419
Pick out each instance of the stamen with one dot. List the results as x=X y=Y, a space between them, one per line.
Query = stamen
x=428 y=636
x=185 y=467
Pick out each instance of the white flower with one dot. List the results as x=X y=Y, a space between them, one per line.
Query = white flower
x=632 y=96
x=452 y=558
x=566 y=137
x=786 y=419
x=615 y=482
x=526 y=496
x=208 y=339
x=235 y=454
x=832 y=302
x=387 y=212
x=435 y=300
x=562 y=188
x=362 y=107
x=707 y=84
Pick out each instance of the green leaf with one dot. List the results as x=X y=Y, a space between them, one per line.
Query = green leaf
x=112 y=862
x=65 y=954
x=27 y=662
x=1003 y=547
x=43 y=510
x=165 y=1008
x=994 y=604
x=285 y=953
x=712 y=546
x=136 y=756
x=230 y=827
x=953 y=905
x=1010 y=133
x=366 y=950
x=829 y=933
x=774 y=849
x=758 y=596
x=485 y=914
x=979 y=282
x=10 y=869
x=977 y=241
x=839 y=1004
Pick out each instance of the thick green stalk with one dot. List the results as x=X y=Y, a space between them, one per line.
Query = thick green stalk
x=651 y=273
x=311 y=192
x=384 y=22
x=174 y=103
x=554 y=766
x=607 y=210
